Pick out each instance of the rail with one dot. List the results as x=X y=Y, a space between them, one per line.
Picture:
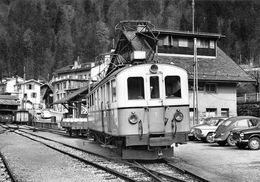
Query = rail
x=8 y=169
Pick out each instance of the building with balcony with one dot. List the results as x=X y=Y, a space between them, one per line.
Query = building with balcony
x=69 y=79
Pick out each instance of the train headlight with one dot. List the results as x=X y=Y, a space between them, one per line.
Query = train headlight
x=133 y=119
x=154 y=69
x=178 y=116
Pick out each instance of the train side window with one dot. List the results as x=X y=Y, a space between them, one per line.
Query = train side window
x=135 y=87
x=113 y=85
x=102 y=96
x=154 y=87
x=95 y=101
x=107 y=94
x=91 y=100
x=172 y=87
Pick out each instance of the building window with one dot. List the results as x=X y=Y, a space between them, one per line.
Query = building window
x=25 y=96
x=183 y=43
x=135 y=87
x=212 y=44
x=33 y=95
x=30 y=86
x=166 y=41
x=202 y=43
x=225 y=112
x=172 y=87
x=211 y=88
x=200 y=86
x=211 y=112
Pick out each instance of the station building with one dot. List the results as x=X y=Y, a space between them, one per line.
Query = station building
x=218 y=74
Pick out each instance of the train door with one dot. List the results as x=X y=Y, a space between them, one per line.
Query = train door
x=108 y=106
x=102 y=108
x=155 y=111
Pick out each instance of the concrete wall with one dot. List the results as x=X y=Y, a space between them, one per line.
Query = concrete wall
x=225 y=97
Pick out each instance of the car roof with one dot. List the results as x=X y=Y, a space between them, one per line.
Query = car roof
x=242 y=117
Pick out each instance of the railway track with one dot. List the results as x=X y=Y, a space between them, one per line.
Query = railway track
x=127 y=170
x=116 y=168
x=170 y=172
x=6 y=174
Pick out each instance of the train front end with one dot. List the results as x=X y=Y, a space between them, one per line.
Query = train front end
x=153 y=110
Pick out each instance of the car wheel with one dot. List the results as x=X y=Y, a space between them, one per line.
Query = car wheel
x=230 y=141
x=222 y=143
x=209 y=138
x=240 y=145
x=254 y=143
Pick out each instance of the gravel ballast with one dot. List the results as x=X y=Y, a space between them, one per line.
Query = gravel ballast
x=33 y=162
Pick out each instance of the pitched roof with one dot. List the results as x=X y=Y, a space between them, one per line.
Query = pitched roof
x=222 y=68
x=186 y=33
x=68 y=69
x=28 y=81
x=8 y=100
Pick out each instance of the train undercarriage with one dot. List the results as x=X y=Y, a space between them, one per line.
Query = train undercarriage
x=147 y=147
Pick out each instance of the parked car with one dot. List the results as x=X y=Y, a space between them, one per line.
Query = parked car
x=45 y=114
x=205 y=132
x=247 y=137
x=209 y=121
x=222 y=135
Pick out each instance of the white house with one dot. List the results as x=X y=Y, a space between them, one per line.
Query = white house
x=7 y=85
x=29 y=94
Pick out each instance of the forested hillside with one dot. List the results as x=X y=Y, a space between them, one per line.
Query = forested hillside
x=43 y=35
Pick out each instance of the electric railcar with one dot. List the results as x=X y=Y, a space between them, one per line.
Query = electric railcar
x=142 y=109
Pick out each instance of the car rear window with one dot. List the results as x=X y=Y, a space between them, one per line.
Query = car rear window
x=242 y=123
x=254 y=122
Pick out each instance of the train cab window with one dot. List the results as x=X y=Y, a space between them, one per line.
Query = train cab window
x=135 y=87
x=172 y=87
x=154 y=87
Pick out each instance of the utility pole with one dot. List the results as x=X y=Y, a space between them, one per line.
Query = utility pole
x=23 y=101
x=195 y=70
